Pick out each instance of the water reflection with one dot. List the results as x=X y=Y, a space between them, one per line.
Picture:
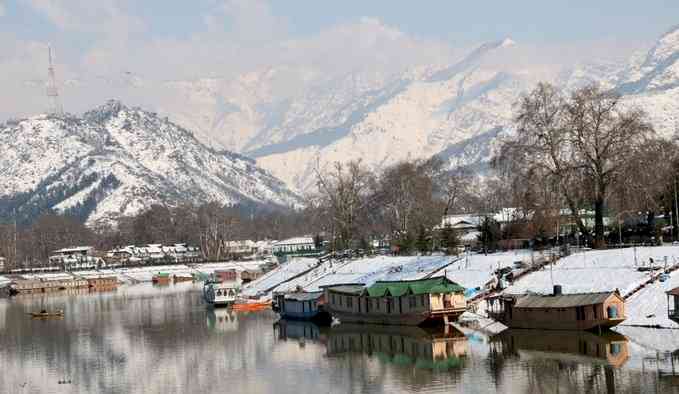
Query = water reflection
x=222 y=319
x=142 y=339
x=609 y=348
x=403 y=346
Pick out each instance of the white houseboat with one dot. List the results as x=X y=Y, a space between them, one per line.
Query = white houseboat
x=220 y=294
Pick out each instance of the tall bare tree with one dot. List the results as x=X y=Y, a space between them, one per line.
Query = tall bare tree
x=582 y=144
x=345 y=190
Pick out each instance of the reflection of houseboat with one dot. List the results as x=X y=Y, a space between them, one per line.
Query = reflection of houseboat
x=559 y=311
x=610 y=348
x=161 y=278
x=416 y=302
x=220 y=294
x=296 y=329
x=403 y=345
x=222 y=320
x=302 y=306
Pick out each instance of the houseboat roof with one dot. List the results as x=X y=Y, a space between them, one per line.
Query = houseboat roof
x=304 y=296
x=561 y=301
x=421 y=286
x=347 y=289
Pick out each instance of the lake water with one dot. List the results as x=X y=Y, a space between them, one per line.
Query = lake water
x=143 y=339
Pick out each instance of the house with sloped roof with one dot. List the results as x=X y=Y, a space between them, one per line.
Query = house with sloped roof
x=557 y=311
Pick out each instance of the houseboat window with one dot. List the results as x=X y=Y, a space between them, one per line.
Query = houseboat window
x=612 y=312
x=377 y=304
x=350 y=302
x=412 y=302
x=594 y=310
x=422 y=300
x=339 y=298
x=332 y=299
x=615 y=348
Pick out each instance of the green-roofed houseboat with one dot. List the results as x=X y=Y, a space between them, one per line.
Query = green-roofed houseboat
x=412 y=303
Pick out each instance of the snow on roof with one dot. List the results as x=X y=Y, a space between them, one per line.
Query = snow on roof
x=74 y=249
x=295 y=241
x=470 y=236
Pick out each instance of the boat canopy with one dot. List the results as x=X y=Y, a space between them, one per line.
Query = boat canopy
x=423 y=286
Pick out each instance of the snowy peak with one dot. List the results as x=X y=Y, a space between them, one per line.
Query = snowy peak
x=115 y=160
x=659 y=70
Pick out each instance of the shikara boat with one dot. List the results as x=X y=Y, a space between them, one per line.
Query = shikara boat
x=43 y=314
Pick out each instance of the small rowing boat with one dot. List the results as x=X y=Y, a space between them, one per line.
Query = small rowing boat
x=43 y=314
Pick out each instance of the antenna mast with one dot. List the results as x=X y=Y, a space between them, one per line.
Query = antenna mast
x=52 y=92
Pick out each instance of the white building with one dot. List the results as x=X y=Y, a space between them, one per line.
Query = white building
x=76 y=258
x=294 y=245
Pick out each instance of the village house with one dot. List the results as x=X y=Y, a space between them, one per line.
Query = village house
x=294 y=246
x=76 y=258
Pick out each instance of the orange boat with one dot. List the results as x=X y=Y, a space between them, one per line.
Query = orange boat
x=251 y=306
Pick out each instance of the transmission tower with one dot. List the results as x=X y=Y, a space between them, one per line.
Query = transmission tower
x=52 y=92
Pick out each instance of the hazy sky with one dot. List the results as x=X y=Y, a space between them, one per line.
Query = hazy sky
x=127 y=41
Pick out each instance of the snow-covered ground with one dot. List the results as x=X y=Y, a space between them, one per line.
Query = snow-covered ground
x=648 y=307
x=596 y=270
x=475 y=270
x=279 y=275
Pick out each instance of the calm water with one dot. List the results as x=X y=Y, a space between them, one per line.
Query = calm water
x=144 y=339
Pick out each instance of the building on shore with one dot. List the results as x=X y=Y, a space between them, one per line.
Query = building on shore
x=558 y=311
x=76 y=258
x=294 y=246
x=417 y=302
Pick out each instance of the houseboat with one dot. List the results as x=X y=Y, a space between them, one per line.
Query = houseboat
x=220 y=294
x=587 y=311
x=406 y=346
x=302 y=306
x=161 y=278
x=417 y=302
x=103 y=283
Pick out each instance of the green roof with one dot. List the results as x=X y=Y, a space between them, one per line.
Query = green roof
x=422 y=286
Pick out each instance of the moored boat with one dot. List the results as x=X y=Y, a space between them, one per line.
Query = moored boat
x=583 y=311
x=220 y=294
x=417 y=302
x=43 y=314
x=161 y=278
x=302 y=306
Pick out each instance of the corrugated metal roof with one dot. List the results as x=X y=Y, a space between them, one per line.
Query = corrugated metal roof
x=304 y=296
x=561 y=301
x=347 y=289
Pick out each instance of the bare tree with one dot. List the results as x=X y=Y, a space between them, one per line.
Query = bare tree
x=582 y=144
x=345 y=192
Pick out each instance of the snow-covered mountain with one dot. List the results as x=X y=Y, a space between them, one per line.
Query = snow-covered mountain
x=116 y=160
x=456 y=110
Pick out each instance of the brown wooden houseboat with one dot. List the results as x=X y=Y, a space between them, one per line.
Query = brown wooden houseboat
x=586 y=311
x=417 y=302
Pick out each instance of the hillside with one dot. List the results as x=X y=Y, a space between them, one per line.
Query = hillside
x=115 y=161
